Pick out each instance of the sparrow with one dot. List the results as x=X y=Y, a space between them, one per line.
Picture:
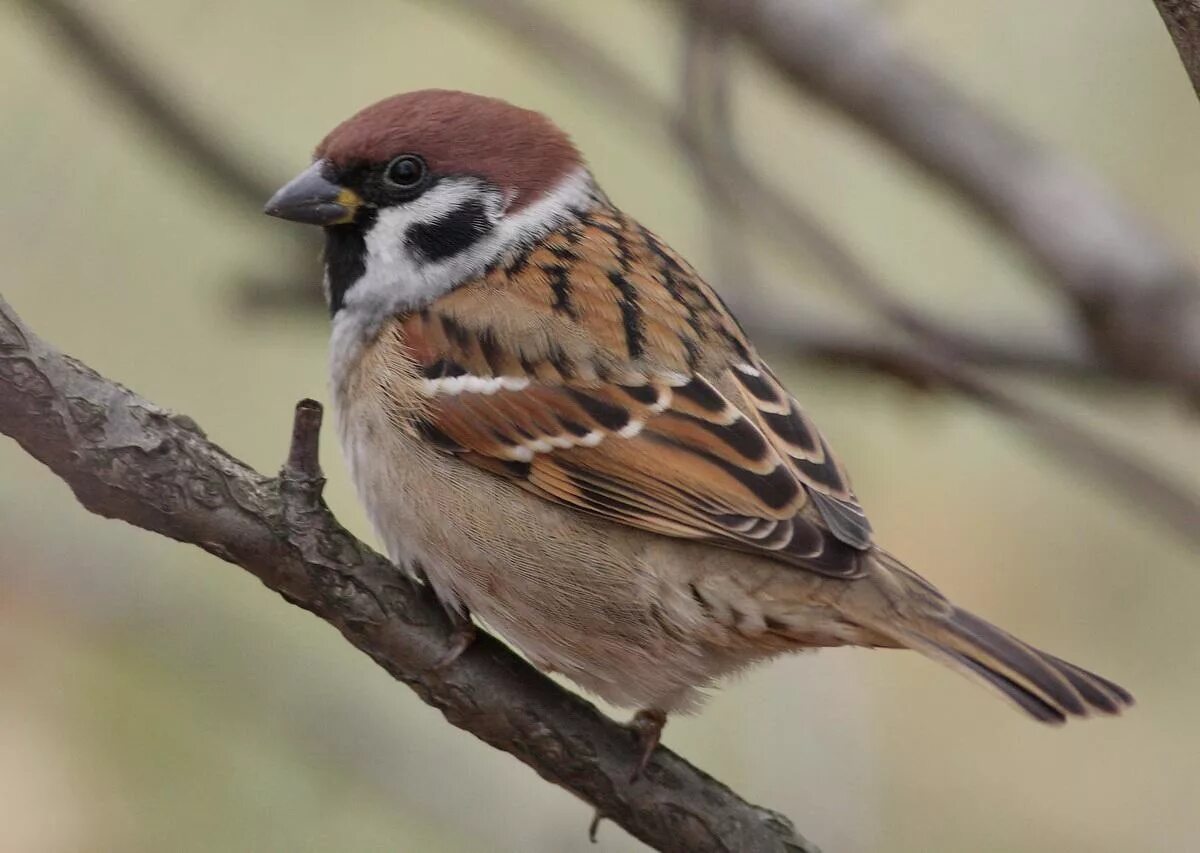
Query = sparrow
x=553 y=419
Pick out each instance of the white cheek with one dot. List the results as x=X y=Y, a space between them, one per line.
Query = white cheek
x=396 y=278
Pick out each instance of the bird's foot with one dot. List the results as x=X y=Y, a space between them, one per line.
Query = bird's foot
x=647 y=726
x=462 y=635
x=594 y=826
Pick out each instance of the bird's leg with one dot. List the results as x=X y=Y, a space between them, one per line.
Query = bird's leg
x=462 y=629
x=594 y=826
x=462 y=635
x=647 y=726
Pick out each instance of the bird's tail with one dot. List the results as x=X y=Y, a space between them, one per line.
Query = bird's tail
x=1046 y=687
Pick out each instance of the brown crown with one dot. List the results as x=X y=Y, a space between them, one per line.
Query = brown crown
x=458 y=133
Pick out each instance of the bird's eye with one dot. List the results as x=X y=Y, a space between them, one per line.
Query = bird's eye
x=406 y=172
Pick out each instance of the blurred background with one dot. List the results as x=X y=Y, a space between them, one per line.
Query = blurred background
x=154 y=698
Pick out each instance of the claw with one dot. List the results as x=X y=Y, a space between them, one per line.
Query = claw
x=462 y=635
x=594 y=826
x=647 y=725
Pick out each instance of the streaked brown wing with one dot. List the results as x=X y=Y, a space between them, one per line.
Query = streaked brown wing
x=597 y=371
x=797 y=440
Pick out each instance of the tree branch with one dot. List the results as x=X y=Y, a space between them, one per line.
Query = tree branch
x=1182 y=18
x=705 y=128
x=126 y=458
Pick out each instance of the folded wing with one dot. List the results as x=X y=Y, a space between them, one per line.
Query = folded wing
x=597 y=371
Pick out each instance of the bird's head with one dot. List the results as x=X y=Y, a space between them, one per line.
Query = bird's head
x=422 y=191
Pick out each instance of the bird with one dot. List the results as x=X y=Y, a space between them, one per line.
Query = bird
x=555 y=422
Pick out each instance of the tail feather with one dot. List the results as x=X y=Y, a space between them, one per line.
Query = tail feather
x=1027 y=701
x=1007 y=656
x=1044 y=686
x=1095 y=689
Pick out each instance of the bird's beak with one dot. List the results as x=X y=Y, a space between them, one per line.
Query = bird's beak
x=313 y=199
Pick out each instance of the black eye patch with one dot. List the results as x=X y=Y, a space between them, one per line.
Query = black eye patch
x=450 y=234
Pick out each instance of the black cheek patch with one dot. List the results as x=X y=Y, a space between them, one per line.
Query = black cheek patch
x=458 y=230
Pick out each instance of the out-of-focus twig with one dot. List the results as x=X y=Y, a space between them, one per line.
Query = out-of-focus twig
x=705 y=119
x=822 y=337
x=1182 y=18
x=188 y=138
x=1137 y=297
x=139 y=89
x=126 y=458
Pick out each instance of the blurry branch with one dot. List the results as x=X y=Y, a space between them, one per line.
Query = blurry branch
x=1182 y=18
x=144 y=93
x=706 y=129
x=705 y=120
x=1135 y=296
x=127 y=459
x=838 y=344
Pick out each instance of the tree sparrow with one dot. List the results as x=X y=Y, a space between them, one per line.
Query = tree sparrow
x=552 y=417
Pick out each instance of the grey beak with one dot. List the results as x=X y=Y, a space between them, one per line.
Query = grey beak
x=313 y=199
